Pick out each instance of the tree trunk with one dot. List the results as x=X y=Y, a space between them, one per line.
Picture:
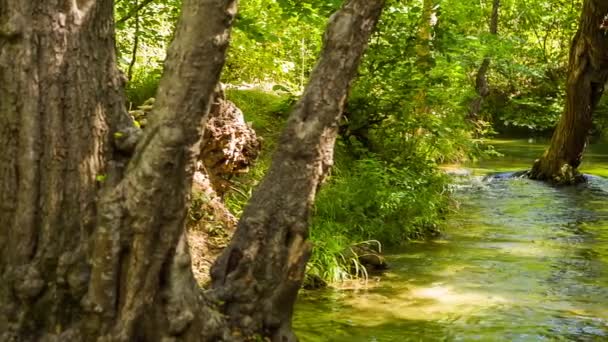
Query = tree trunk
x=92 y=211
x=481 y=81
x=259 y=274
x=92 y=239
x=424 y=58
x=60 y=97
x=423 y=46
x=587 y=74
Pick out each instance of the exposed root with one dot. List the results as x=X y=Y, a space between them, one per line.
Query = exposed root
x=566 y=174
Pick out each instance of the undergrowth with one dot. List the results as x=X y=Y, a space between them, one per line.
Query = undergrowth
x=370 y=199
x=365 y=198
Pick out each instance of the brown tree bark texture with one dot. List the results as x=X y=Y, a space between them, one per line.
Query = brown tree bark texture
x=91 y=229
x=55 y=124
x=587 y=74
x=259 y=274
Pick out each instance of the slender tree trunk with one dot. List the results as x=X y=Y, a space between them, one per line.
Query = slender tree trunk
x=425 y=36
x=424 y=58
x=91 y=212
x=259 y=274
x=134 y=11
x=135 y=47
x=587 y=75
x=481 y=81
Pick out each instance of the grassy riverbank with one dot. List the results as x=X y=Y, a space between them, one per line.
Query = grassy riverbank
x=365 y=198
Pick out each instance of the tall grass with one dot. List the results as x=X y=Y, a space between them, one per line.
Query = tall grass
x=365 y=197
x=142 y=86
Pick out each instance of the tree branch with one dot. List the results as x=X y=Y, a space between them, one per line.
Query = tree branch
x=133 y=12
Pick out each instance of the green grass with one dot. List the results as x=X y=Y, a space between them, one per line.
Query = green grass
x=142 y=87
x=364 y=198
x=267 y=114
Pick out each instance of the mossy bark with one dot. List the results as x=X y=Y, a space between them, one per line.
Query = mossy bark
x=587 y=75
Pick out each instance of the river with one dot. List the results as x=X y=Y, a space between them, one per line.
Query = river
x=519 y=261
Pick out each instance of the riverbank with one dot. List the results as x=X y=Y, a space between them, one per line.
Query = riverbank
x=520 y=260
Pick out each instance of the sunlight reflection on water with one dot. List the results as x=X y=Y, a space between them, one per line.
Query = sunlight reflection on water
x=520 y=261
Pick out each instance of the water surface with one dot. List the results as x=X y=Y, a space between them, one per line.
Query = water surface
x=520 y=261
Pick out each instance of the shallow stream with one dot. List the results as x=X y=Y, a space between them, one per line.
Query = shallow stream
x=519 y=261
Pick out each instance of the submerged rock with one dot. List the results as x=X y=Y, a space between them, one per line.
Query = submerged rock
x=507 y=175
x=369 y=255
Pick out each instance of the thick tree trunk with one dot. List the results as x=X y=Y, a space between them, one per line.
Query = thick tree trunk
x=481 y=80
x=260 y=272
x=60 y=97
x=587 y=75
x=92 y=242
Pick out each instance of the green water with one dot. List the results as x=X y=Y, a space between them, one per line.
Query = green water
x=520 y=261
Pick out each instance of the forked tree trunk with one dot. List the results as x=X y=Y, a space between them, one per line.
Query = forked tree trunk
x=587 y=74
x=92 y=212
x=481 y=80
x=259 y=274
x=92 y=241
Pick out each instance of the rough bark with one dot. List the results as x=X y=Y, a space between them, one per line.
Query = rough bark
x=55 y=126
x=587 y=75
x=481 y=80
x=260 y=272
x=91 y=214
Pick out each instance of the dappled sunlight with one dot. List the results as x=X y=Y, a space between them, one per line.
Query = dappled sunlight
x=525 y=250
x=520 y=260
x=420 y=303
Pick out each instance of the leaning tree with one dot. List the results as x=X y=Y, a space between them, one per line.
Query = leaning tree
x=92 y=210
x=587 y=75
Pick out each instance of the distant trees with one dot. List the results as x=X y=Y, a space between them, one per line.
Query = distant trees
x=587 y=76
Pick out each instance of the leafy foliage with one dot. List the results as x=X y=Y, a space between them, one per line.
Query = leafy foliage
x=407 y=111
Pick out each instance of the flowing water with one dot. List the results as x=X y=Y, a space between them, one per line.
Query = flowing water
x=519 y=261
